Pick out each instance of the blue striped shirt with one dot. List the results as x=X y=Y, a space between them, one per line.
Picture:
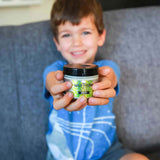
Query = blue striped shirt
x=84 y=134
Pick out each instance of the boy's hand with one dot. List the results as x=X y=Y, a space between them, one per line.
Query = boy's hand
x=104 y=89
x=56 y=87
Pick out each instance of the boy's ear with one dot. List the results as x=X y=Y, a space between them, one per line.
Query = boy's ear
x=102 y=38
x=56 y=42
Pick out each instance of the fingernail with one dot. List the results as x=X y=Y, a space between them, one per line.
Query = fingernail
x=95 y=87
x=92 y=100
x=95 y=93
x=58 y=75
x=69 y=84
x=106 y=71
x=82 y=99
x=70 y=94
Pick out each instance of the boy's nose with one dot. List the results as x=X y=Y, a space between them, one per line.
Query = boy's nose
x=77 y=40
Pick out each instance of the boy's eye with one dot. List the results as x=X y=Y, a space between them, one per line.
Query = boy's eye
x=86 y=33
x=65 y=35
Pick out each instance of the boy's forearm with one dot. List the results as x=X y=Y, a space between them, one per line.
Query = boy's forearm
x=50 y=79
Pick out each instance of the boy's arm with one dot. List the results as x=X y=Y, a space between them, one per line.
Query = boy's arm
x=56 y=86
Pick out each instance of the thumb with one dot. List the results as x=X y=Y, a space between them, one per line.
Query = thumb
x=105 y=70
x=59 y=75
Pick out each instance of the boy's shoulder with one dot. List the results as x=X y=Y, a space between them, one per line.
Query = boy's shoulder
x=57 y=65
x=111 y=64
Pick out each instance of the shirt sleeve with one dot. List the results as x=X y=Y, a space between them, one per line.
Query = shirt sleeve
x=58 y=65
x=116 y=69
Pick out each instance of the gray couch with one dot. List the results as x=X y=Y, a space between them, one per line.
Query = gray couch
x=133 y=42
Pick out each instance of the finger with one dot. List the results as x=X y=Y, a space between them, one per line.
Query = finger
x=108 y=93
x=97 y=101
x=83 y=106
x=59 y=75
x=77 y=105
x=104 y=84
x=58 y=96
x=59 y=88
x=102 y=71
x=77 y=109
x=63 y=101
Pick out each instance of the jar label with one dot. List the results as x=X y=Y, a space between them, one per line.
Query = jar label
x=82 y=88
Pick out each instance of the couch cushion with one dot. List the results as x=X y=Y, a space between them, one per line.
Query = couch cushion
x=121 y=4
x=25 y=51
x=133 y=41
x=9 y=117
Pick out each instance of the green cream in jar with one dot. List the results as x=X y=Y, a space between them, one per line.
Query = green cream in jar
x=82 y=76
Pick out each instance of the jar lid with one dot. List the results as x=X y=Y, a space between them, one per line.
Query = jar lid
x=80 y=69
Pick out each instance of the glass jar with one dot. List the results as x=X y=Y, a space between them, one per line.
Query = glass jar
x=82 y=76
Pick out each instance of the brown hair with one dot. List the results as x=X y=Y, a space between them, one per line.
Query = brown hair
x=73 y=11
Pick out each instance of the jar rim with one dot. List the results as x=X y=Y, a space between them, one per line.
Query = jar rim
x=80 y=69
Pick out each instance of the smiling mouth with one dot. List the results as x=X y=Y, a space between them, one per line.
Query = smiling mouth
x=78 y=54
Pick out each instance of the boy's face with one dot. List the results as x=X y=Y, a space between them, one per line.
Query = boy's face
x=79 y=43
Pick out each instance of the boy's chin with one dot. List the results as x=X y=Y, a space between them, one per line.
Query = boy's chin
x=80 y=62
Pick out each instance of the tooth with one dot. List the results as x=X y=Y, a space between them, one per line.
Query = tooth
x=77 y=52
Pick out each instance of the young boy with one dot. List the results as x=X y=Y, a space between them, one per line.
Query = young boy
x=82 y=129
